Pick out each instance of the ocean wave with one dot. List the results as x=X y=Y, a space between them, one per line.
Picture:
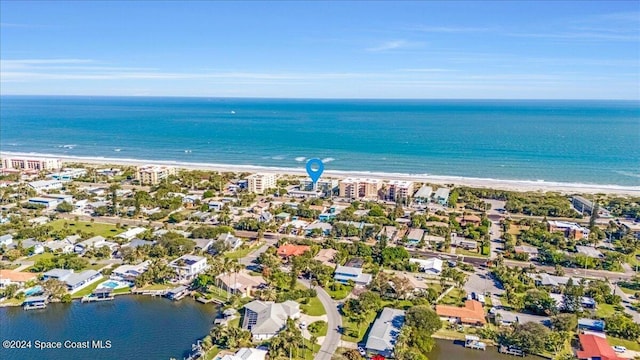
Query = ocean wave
x=329 y=159
x=300 y=159
x=627 y=173
x=278 y=157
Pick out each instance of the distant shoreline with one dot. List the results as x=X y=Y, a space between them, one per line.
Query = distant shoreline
x=498 y=184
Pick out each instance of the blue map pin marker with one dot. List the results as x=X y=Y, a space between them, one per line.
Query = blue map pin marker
x=315 y=174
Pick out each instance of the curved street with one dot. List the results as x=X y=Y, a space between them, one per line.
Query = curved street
x=334 y=321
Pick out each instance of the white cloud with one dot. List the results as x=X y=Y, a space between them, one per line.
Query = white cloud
x=394 y=45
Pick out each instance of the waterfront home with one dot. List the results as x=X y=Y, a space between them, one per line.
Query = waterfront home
x=441 y=196
x=231 y=241
x=131 y=233
x=591 y=325
x=129 y=272
x=384 y=332
x=471 y=313
x=247 y=354
x=506 y=318
x=423 y=195
x=20 y=278
x=6 y=240
x=241 y=283
x=595 y=348
x=288 y=250
x=265 y=319
x=189 y=266
x=432 y=266
x=35 y=302
x=74 y=281
x=344 y=274
x=326 y=256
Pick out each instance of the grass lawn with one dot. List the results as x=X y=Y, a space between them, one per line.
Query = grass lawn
x=101 y=229
x=157 y=287
x=44 y=255
x=211 y=353
x=126 y=290
x=95 y=267
x=313 y=308
x=322 y=329
x=12 y=302
x=454 y=297
x=88 y=289
x=626 y=290
x=341 y=291
x=243 y=251
x=629 y=344
x=605 y=310
x=449 y=334
x=350 y=329
x=469 y=253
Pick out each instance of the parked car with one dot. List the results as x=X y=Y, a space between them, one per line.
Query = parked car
x=362 y=351
x=303 y=325
x=619 y=349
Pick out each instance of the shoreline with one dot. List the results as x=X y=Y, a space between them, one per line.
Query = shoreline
x=489 y=183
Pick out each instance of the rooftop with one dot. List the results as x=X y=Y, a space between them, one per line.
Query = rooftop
x=595 y=347
x=292 y=250
x=385 y=330
x=471 y=313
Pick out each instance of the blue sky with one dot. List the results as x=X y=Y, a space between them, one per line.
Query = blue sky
x=456 y=49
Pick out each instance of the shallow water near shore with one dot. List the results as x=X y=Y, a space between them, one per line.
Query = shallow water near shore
x=591 y=142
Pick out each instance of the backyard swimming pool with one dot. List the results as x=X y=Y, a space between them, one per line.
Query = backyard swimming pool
x=113 y=284
x=35 y=290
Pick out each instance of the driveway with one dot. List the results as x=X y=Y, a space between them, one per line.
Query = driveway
x=332 y=340
x=481 y=282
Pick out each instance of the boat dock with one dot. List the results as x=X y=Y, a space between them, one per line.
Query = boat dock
x=35 y=302
x=473 y=342
x=104 y=294
x=149 y=292
x=511 y=350
x=177 y=293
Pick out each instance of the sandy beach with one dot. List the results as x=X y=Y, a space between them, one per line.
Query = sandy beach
x=511 y=185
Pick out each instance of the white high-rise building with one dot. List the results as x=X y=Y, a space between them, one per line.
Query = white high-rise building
x=22 y=163
x=259 y=183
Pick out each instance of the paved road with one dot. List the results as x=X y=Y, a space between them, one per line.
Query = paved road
x=496 y=229
x=334 y=321
x=248 y=260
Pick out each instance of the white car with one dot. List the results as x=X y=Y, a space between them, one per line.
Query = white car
x=303 y=325
x=361 y=351
x=619 y=349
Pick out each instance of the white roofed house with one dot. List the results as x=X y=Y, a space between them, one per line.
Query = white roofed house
x=414 y=237
x=6 y=240
x=432 y=266
x=265 y=319
x=129 y=272
x=230 y=240
x=247 y=354
x=74 y=281
x=188 y=267
x=131 y=233
x=441 y=196
x=384 y=332
x=344 y=274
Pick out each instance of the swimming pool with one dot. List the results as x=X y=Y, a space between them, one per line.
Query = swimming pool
x=114 y=284
x=33 y=290
x=110 y=284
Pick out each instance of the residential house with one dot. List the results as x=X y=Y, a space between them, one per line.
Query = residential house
x=469 y=219
x=423 y=195
x=325 y=228
x=265 y=319
x=288 y=250
x=441 y=196
x=585 y=302
x=231 y=241
x=414 y=237
x=569 y=229
x=129 y=272
x=326 y=257
x=595 y=348
x=471 y=314
x=544 y=279
x=591 y=325
x=131 y=233
x=48 y=203
x=344 y=274
x=531 y=251
x=506 y=318
x=388 y=232
x=247 y=354
x=74 y=281
x=95 y=242
x=203 y=244
x=432 y=241
x=189 y=266
x=35 y=246
x=384 y=332
x=6 y=240
x=432 y=266
x=241 y=283
x=42 y=186
x=139 y=242
x=20 y=278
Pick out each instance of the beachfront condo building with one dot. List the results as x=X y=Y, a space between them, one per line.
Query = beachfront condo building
x=153 y=174
x=325 y=186
x=398 y=190
x=21 y=163
x=259 y=183
x=356 y=188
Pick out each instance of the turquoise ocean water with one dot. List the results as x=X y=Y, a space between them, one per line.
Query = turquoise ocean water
x=593 y=142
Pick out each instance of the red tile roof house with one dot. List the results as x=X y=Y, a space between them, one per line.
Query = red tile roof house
x=288 y=250
x=595 y=348
x=471 y=314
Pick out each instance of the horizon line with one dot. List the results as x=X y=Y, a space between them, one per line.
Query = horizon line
x=317 y=98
